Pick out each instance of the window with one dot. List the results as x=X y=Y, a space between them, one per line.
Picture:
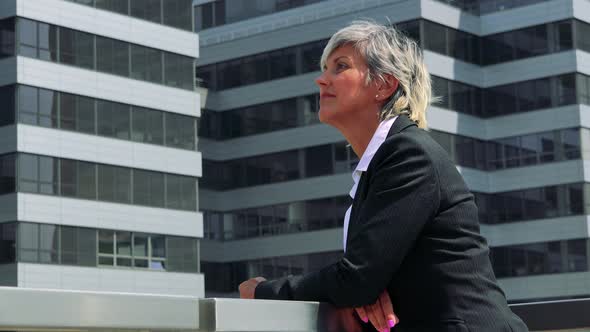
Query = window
x=150 y=10
x=146 y=64
x=127 y=249
x=582 y=33
x=47 y=42
x=114 y=184
x=181 y=192
x=147 y=126
x=28 y=101
x=28 y=37
x=117 y=6
x=148 y=188
x=179 y=71
x=7 y=243
x=78 y=179
x=180 y=131
x=113 y=119
x=177 y=13
x=28 y=242
x=7 y=40
x=77 y=113
x=7 y=98
x=182 y=254
x=76 y=48
x=112 y=56
x=37 y=106
x=7 y=173
x=435 y=37
x=78 y=246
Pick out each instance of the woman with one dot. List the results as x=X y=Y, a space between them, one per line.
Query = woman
x=412 y=233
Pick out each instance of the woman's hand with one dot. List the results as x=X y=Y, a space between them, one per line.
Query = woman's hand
x=379 y=313
x=248 y=287
x=342 y=319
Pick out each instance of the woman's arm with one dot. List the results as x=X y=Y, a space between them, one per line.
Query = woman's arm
x=403 y=196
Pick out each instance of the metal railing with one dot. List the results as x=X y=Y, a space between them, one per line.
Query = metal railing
x=39 y=309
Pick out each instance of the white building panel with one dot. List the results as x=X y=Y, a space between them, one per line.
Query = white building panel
x=546 y=286
x=104 y=150
x=109 y=24
x=95 y=214
x=54 y=76
x=105 y=279
x=534 y=231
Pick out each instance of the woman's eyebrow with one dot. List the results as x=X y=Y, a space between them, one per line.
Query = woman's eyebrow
x=342 y=56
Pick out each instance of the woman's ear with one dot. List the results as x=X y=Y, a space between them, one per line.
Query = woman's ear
x=387 y=87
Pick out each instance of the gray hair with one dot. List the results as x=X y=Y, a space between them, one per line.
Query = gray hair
x=387 y=51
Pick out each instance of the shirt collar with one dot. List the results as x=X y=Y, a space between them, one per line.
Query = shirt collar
x=378 y=138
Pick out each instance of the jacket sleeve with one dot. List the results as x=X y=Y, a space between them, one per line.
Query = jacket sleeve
x=403 y=195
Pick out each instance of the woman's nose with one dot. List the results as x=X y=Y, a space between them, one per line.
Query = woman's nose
x=321 y=80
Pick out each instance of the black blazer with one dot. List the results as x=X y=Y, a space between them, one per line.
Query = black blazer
x=414 y=231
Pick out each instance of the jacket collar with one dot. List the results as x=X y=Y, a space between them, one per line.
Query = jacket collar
x=402 y=122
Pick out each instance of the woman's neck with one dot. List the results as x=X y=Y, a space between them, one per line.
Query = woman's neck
x=359 y=133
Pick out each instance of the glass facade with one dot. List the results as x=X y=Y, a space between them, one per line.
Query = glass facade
x=526 y=96
x=225 y=277
x=541 y=258
x=563 y=200
x=507 y=261
x=7 y=38
x=487 y=50
x=80 y=179
x=510 y=152
x=60 y=110
x=7 y=243
x=328 y=159
x=303 y=216
x=482 y=7
x=220 y=12
x=294 y=217
x=80 y=49
x=259 y=119
x=81 y=246
x=278 y=167
x=173 y=13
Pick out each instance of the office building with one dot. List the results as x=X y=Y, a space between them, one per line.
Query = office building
x=514 y=77
x=99 y=163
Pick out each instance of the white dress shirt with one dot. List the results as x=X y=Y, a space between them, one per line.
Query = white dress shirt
x=378 y=138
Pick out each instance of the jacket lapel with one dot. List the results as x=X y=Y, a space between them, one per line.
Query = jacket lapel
x=401 y=123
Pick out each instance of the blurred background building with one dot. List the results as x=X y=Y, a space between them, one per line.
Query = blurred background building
x=515 y=86
x=98 y=160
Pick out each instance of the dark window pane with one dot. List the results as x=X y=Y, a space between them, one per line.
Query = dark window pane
x=282 y=63
x=106 y=242
x=7 y=243
x=117 y=6
x=178 y=71
x=28 y=37
x=147 y=126
x=112 y=56
x=140 y=245
x=124 y=243
x=47 y=42
x=181 y=192
x=77 y=113
x=7 y=173
x=106 y=261
x=318 y=160
x=563 y=36
x=577 y=255
x=146 y=64
x=8 y=99
x=203 y=16
x=86 y=186
x=181 y=254
x=48 y=244
x=28 y=104
x=582 y=33
x=147 y=9
x=48 y=175
x=113 y=119
x=435 y=37
x=28 y=173
x=48 y=108
x=148 y=188
x=7 y=39
x=28 y=242
x=158 y=243
x=177 y=13
x=566 y=90
x=180 y=131
x=114 y=184
x=76 y=48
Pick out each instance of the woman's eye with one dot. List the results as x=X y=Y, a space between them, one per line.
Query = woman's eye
x=341 y=66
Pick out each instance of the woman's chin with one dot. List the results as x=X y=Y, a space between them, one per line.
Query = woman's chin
x=325 y=115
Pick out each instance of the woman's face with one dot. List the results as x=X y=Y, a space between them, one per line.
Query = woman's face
x=343 y=93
